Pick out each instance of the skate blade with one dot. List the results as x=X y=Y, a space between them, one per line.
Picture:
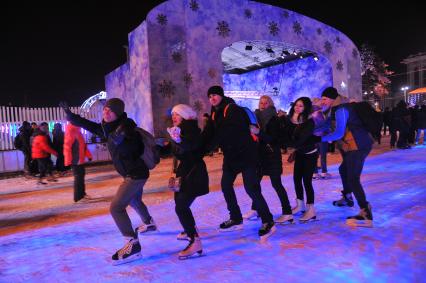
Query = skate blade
x=313 y=219
x=253 y=218
x=127 y=259
x=183 y=238
x=358 y=223
x=265 y=237
x=194 y=255
x=288 y=222
x=233 y=228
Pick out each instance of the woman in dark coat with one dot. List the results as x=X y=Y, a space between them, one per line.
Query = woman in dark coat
x=192 y=171
x=58 y=145
x=270 y=156
x=300 y=129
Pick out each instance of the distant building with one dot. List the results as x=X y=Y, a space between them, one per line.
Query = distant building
x=416 y=77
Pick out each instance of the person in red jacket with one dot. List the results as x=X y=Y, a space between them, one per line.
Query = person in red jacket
x=41 y=151
x=75 y=153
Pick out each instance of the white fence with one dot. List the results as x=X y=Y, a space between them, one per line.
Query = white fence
x=11 y=119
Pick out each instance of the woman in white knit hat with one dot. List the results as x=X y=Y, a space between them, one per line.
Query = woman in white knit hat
x=192 y=172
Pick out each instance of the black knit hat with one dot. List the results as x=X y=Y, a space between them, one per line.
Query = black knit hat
x=216 y=89
x=330 y=92
x=116 y=105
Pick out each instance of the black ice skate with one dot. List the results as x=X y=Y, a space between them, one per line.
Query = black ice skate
x=194 y=247
x=346 y=200
x=363 y=219
x=231 y=225
x=130 y=252
x=267 y=230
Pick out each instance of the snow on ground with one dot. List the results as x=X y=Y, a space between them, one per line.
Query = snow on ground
x=45 y=237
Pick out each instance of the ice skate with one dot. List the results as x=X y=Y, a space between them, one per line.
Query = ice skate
x=316 y=176
x=182 y=236
x=285 y=219
x=41 y=182
x=130 y=252
x=309 y=215
x=363 y=219
x=251 y=215
x=266 y=231
x=231 y=225
x=194 y=247
x=151 y=226
x=346 y=200
x=300 y=207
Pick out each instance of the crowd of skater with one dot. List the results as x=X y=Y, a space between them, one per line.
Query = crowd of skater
x=252 y=149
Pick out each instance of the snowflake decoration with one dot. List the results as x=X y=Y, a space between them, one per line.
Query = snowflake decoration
x=273 y=28
x=162 y=19
x=297 y=28
x=328 y=47
x=286 y=14
x=319 y=31
x=338 y=39
x=167 y=89
x=354 y=53
x=187 y=79
x=223 y=28
x=339 y=65
x=212 y=73
x=193 y=5
x=198 y=106
x=177 y=57
x=248 y=13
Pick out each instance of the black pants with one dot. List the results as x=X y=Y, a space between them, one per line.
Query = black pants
x=60 y=162
x=393 y=135
x=79 y=187
x=281 y=192
x=403 y=138
x=27 y=162
x=350 y=171
x=182 y=207
x=304 y=167
x=252 y=187
x=323 y=149
x=44 y=166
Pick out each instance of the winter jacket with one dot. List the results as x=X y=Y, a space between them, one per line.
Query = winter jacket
x=58 y=139
x=24 y=136
x=191 y=168
x=350 y=131
x=301 y=137
x=40 y=147
x=75 y=149
x=270 y=139
x=124 y=144
x=228 y=128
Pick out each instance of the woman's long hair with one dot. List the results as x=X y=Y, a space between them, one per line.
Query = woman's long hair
x=307 y=103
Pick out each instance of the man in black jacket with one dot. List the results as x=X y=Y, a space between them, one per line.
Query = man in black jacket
x=229 y=129
x=125 y=146
x=23 y=144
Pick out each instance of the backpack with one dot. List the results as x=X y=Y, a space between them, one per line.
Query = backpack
x=251 y=118
x=17 y=142
x=370 y=118
x=150 y=155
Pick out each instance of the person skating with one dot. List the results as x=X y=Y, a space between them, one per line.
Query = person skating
x=229 y=129
x=270 y=139
x=355 y=143
x=40 y=152
x=126 y=147
x=300 y=132
x=192 y=171
x=75 y=152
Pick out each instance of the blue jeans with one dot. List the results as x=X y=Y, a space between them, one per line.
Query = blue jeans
x=350 y=172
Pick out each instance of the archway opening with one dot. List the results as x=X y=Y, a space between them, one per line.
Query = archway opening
x=253 y=68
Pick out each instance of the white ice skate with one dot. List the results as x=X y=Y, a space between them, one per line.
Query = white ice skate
x=251 y=215
x=300 y=207
x=144 y=228
x=309 y=215
x=285 y=219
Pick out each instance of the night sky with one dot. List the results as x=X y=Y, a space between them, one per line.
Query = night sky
x=62 y=50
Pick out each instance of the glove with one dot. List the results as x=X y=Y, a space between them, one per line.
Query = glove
x=254 y=130
x=174 y=133
x=65 y=107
